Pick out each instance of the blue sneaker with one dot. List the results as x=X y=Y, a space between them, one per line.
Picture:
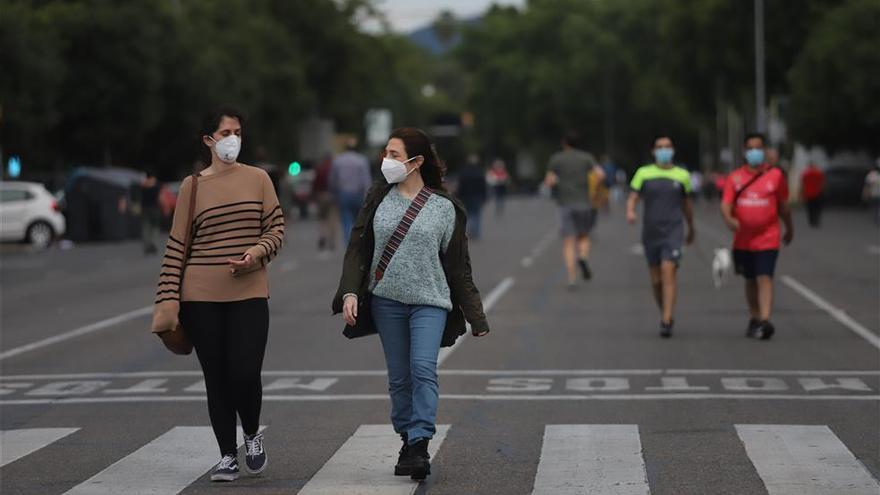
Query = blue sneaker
x=226 y=469
x=255 y=460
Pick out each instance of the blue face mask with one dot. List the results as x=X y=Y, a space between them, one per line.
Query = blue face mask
x=755 y=156
x=664 y=155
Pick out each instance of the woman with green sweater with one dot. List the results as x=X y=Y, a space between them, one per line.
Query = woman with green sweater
x=407 y=276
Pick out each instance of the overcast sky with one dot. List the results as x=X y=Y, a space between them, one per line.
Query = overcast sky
x=408 y=15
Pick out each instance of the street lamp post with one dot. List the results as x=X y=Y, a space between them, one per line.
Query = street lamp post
x=760 y=88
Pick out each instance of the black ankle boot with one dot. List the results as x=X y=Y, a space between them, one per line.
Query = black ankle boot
x=404 y=460
x=420 y=460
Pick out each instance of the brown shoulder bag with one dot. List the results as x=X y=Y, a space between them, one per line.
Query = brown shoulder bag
x=176 y=340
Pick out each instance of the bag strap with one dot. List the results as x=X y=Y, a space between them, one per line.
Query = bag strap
x=402 y=228
x=187 y=240
x=746 y=186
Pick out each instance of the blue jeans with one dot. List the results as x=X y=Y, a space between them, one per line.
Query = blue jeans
x=411 y=337
x=474 y=214
x=349 y=206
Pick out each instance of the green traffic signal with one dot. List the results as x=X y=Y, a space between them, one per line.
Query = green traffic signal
x=294 y=169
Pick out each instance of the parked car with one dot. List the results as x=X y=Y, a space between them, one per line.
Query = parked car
x=28 y=212
x=843 y=185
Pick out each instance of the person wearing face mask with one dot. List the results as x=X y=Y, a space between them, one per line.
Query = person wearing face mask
x=407 y=276
x=755 y=197
x=666 y=189
x=217 y=291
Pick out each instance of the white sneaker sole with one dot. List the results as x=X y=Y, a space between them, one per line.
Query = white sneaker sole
x=258 y=471
x=224 y=477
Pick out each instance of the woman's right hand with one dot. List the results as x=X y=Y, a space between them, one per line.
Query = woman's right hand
x=350 y=310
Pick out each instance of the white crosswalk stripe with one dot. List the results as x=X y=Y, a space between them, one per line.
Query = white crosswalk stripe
x=15 y=444
x=364 y=465
x=591 y=459
x=804 y=460
x=575 y=459
x=164 y=466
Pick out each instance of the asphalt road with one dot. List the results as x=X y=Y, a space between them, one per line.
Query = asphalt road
x=572 y=392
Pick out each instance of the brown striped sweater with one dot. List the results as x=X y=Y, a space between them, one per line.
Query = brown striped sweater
x=236 y=212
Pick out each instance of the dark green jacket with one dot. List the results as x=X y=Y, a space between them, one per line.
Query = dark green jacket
x=456 y=261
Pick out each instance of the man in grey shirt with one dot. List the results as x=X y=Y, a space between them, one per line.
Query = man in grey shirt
x=569 y=174
x=350 y=180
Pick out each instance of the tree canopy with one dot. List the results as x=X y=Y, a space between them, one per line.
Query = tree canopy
x=127 y=83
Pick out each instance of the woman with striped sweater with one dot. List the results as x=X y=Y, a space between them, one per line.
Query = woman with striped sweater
x=222 y=298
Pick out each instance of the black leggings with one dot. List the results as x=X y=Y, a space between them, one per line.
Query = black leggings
x=230 y=341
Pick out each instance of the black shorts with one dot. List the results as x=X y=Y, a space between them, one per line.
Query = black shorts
x=660 y=250
x=752 y=264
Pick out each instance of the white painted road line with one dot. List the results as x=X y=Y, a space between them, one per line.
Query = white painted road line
x=488 y=303
x=464 y=397
x=288 y=266
x=15 y=444
x=164 y=466
x=364 y=465
x=836 y=313
x=804 y=460
x=594 y=459
x=94 y=327
x=539 y=249
x=447 y=372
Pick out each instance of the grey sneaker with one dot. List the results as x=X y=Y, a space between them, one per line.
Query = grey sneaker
x=226 y=469
x=752 y=329
x=666 y=329
x=255 y=460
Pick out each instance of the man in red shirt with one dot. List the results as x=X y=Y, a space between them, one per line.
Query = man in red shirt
x=754 y=198
x=812 y=185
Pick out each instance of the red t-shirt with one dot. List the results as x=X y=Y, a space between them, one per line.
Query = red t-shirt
x=757 y=209
x=812 y=181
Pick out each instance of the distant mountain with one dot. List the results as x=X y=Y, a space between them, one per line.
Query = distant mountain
x=427 y=38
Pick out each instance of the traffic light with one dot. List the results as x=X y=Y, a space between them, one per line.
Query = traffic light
x=14 y=167
x=294 y=169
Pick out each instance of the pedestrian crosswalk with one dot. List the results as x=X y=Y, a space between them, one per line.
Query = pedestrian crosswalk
x=363 y=462
x=136 y=472
x=595 y=459
x=15 y=444
x=578 y=459
x=798 y=459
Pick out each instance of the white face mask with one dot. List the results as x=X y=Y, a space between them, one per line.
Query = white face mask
x=227 y=148
x=394 y=170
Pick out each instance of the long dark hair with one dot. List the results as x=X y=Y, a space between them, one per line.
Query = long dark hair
x=418 y=143
x=210 y=123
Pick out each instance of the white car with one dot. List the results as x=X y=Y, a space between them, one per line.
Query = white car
x=28 y=212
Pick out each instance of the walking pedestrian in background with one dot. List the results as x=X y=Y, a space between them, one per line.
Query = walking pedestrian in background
x=473 y=192
x=755 y=197
x=151 y=215
x=498 y=180
x=812 y=187
x=220 y=287
x=871 y=191
x=569 y=174
x=418 y=291
x=666 y=191
x=328 y=216
x=349 y=181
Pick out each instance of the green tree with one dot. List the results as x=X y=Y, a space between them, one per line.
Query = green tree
x=836 y=79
